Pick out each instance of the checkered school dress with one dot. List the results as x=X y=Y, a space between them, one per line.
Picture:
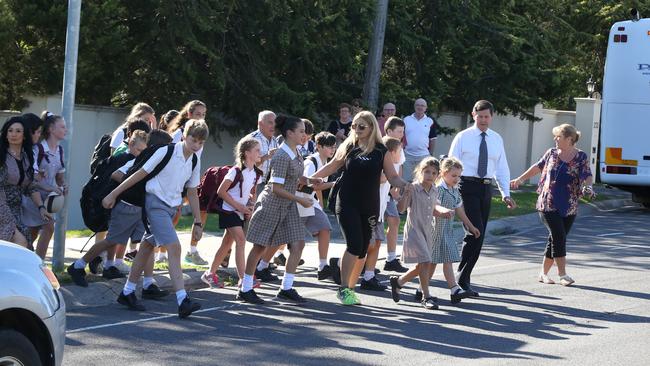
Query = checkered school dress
x=275 y=220
x=445 y=247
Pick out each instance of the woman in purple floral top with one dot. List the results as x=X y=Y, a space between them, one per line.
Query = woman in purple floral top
x=565 y=177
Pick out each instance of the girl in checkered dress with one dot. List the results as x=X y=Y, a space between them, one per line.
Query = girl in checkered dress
x=445 y=247
x=275 y=219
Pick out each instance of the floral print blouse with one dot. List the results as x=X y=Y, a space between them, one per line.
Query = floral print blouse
x=560 y=184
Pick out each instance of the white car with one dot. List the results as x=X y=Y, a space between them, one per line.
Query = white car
x=32 y=310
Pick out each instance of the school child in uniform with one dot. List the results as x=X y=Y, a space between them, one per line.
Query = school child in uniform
x=394 y=127
x=275 y=219
x=421 y=203
x=162 y=198
x=235 y=207
x=317 y=224
x=125 y=223
x=445 y=248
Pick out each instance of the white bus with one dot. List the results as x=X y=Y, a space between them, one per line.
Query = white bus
x=625 y=119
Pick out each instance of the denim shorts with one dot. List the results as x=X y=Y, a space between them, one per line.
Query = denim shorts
x=391 y=208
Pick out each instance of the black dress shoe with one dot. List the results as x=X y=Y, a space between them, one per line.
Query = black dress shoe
x=187 y=307
x=430 y=303
x=418 y=296
x=336 y=270
x=280 y=260
x=372 y=285
x=153 y=292
x=458 y=295
x=249 y=297
x=395 y=266
x=111 y=273
x=394 y=288
x=95 y=265
x=130 y=301
x=291 y=295
x=130 y=256
x=470 y=291
x=324 y=273
x=78 y=275
x=265 y=275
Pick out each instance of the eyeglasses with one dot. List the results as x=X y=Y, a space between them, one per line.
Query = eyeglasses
x=358 y=127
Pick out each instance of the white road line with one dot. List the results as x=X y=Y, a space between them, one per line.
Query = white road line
x=609 y=234
x=529 y=243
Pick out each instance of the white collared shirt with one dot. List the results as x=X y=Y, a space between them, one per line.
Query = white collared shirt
x=310 y=170
x=417 y=133
x=176 y=175
x=444 y=185
x=292 y=155
x=117 y=137
x=465 y=147
x=248 y=182
x=265 y=146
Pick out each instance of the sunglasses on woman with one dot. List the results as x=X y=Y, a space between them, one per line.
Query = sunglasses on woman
x=358 y=127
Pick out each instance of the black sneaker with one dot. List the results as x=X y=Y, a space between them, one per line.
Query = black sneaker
x=324 y=273
x=336 y=270
x=130 y=256
x=130 y=301
x=377 y=271
x=280 y=260
x=265 y=275
x=430 y=303
x=187 y=307
x=111 y=273
x=249 y=297
x=95 y=265
x=394 y=288
x=153 y=292
x=418 y=296
x=78 y=275
x=291 y=295
x=372 y=285
x=395 y=266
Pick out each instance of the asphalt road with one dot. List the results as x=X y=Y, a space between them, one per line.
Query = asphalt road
x=603 y=319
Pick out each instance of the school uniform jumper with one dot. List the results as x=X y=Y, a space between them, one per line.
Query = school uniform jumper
x=418 y=234
x=445 y=246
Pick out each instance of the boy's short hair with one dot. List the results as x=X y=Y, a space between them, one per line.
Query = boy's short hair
x=158 y=137
x=139 y=136
x=482 y=105
x=345 y=105
x=391 y=143
x=309 y=127
x=137 y=124
x=325 y=138
x=197 y=128
x=392 y=123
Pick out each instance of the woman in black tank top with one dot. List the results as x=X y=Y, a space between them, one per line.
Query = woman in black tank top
x=363 y=158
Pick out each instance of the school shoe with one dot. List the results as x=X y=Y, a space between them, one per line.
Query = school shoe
x=130 y=256
x=123 y=267
x=154 y=292
x=95 y=265
x=265 y=275
x=291 y=295
x=281 y=260
x=249 y=297
x=469 y=290
x=195 y=258
x=430 y=303
x=347 y=296
x=418 y=296
x=566 y=280
x=458 y=295
x=395 y=266
x=324 y=273
x=394 y=288
x=130 y=301
x=187 y=307
x=211 y=279
x=111 y=273
x=78 y=275
x=545 y=279
x=336 y=270
x=372 y=284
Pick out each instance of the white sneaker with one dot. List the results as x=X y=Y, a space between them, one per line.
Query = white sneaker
x=123 y=267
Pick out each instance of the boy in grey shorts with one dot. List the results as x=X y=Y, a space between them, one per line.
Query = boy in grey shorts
x=162 y=198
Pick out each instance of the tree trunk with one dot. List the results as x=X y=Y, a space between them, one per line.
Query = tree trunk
x=373 y=67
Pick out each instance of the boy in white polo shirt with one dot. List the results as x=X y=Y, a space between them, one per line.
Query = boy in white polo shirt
x=162 y=197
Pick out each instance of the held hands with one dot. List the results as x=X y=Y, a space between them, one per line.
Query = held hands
x=446 y=213
x=514 y=184
x=245 y=210
x=588 y=191
x=510 y=203
x=109 y=201
x=305 y=202
x=45 y=215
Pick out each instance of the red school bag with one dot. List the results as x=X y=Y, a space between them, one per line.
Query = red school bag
x=209 y=200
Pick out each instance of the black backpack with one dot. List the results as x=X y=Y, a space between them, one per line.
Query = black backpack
x=136 y=194
x=99 y=185
x=102 y=150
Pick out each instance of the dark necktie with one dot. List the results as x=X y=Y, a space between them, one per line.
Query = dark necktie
x=482 y=157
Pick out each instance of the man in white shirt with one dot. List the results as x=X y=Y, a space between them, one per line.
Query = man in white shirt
x=268 y=144
x=419 y=135
x=481 y=151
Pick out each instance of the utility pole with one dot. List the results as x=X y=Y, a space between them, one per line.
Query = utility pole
x=67 y=110
x=373 y=67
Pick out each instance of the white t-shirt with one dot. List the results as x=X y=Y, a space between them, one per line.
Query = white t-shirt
x=402 y=159
x=384 y=189
x=125 y=168
x=248 y=183
x=417 y=133
x=309 y=170
x=177 y=136
x=177 y=174
x=117 y=138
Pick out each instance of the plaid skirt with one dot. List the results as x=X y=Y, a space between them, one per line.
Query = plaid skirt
x=275 y=221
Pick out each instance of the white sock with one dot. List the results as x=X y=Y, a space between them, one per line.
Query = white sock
x=247 y=283
x=109 y=263
x=193 y=249
x=368 y=275
x=391 y=256
x=118 y=262
x=147 y=281
x=129 y=287
x=322 y=263
x=180 y=296
x=287 y=281
x=456 y=288
x=79 y=264
x=262 y=265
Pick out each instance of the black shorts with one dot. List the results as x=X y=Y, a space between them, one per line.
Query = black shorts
x=357 y=230
x=228 y=220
